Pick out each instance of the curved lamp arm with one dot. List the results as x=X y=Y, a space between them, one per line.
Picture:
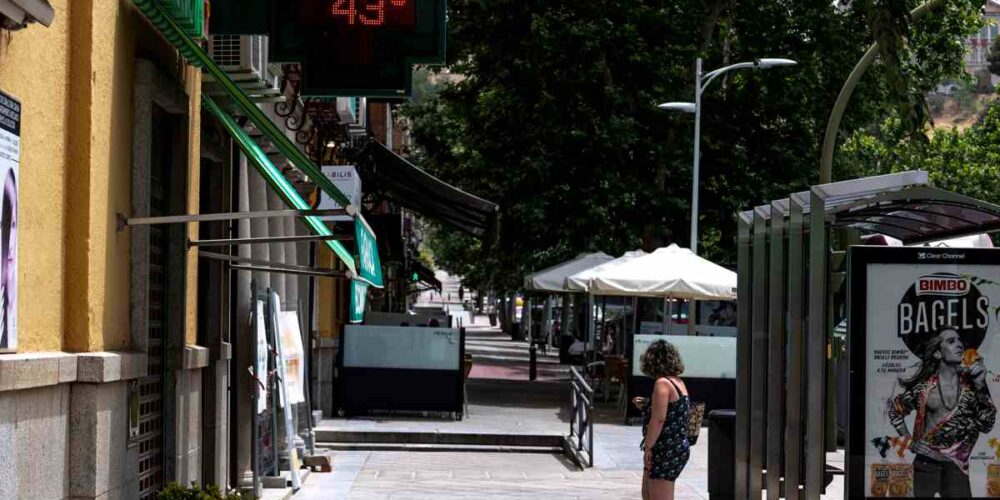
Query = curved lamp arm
x=707 y=79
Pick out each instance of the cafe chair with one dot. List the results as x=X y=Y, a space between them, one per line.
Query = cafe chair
x=615 y=370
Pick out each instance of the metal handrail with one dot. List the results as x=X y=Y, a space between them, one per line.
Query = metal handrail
x=581 y=429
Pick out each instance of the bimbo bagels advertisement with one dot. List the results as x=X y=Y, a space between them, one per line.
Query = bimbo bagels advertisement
x=931 y=376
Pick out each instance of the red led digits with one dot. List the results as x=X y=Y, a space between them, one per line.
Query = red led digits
x=345 y=8
x=377 y=10
x=371 y=12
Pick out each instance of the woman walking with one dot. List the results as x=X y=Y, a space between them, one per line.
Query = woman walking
x=664 y=421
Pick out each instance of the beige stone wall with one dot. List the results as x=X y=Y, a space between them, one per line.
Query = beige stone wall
x=34 y=431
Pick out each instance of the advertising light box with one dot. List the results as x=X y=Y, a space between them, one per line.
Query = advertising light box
x=925 y=372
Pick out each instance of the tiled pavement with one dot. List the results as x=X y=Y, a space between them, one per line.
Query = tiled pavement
x=502 y=401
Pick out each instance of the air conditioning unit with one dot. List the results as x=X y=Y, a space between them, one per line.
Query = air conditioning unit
x=347 y=109
x=244 y=58
x=359 y=127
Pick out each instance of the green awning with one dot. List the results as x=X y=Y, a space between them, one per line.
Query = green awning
x=196 y=56
x=275 y=178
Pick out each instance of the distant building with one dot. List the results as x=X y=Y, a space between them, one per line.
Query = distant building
x=978 y=45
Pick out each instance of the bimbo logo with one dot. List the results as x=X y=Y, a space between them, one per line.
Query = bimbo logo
x=942 y=285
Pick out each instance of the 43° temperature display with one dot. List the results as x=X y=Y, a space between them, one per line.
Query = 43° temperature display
x=373 y=13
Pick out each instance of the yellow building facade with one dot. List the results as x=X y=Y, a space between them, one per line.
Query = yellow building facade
x=67 y=382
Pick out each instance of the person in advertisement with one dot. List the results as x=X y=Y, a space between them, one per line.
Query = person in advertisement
x=953 y=407
x=941 y=405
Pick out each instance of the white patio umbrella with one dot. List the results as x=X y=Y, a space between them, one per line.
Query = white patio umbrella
x=580 y=281
x=672 y=271
x=553 y=278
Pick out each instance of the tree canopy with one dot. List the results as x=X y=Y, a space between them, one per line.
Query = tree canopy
x=555 y=117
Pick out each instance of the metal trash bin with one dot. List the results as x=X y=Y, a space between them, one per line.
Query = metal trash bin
x=516 y=333
x=564 y=342
x=721 y=454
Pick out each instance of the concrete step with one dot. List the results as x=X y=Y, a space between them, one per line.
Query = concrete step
x=439 y=448
x=437 y=438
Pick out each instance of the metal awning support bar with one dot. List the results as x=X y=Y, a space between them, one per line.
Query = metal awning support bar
x=329 y=273
x=270 y=239
x=177 y=219
x=272 y=266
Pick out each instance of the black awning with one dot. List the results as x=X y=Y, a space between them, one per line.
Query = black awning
x=424 y=274
x=410 y=186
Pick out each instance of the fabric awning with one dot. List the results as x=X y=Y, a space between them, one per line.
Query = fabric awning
x=417 y=190
x=580 y=282
x=370 y=271
x=271 y=174
x=553 y=279
x=668 y=272
x=425 y=274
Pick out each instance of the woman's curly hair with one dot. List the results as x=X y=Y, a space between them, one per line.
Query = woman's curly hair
x=661 y=360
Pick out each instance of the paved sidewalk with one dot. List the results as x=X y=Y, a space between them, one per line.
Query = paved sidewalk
x=503 y=401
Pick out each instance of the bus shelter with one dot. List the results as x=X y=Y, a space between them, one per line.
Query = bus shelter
x=791 y=261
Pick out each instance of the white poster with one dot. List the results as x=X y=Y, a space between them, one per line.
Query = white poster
x=10 y=160
x=261 y=362
x=346 y=179
x=293 y=356
x=931 y=375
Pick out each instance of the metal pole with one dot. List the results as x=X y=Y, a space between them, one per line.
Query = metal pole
x=271 y=239
x=666 y=316
x=833 y=124
x=697 y=152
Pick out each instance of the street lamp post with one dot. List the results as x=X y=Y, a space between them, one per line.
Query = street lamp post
x=701 y=83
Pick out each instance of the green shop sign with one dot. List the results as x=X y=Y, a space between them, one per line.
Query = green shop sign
x=359 y=294
x=369 y=267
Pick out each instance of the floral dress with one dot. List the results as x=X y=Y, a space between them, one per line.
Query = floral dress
x=671 y=449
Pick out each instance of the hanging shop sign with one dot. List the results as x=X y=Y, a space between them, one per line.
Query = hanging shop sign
x=925 y=358
x=359 y=294
x=347 y=180
x=369 y=266
x=10 y=161
x=358 y=47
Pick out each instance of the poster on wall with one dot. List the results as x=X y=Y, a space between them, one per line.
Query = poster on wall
x=293 y=356
x=260 y=367
x=924 y=335
x=10 y=161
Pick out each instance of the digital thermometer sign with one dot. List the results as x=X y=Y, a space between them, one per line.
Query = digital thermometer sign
x=346 y=47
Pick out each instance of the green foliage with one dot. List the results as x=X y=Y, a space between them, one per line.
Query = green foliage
x=965 y=162
x=965 y=95
x=914 y=55
x=175 y=491
x=555 y=119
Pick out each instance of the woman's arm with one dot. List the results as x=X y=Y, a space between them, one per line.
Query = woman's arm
x=658 y=413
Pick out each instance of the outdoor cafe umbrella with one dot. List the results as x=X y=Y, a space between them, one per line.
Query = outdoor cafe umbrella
x=672 y=271
x=580 y=281
x=553 y=278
